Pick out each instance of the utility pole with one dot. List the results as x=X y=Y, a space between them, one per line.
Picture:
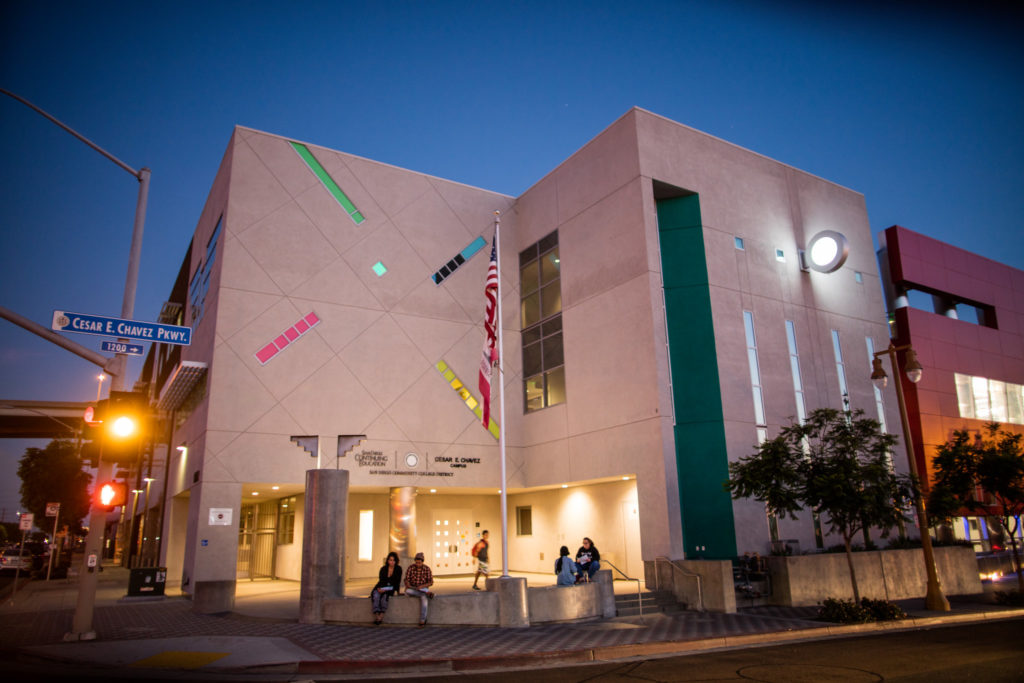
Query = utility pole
x=82 y=627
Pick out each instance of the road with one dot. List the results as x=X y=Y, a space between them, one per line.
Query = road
x=986 y=652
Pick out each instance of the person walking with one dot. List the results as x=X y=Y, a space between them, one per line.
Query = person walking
x=389 y=582
x=588 y=561
x=565 y=568
x=418 y=580
x=480 y=553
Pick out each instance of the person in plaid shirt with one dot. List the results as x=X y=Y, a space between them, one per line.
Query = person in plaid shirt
x=418 y=580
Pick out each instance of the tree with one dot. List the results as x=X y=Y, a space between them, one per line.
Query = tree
x=835 y=463
x=984 y=474
x=54 y=475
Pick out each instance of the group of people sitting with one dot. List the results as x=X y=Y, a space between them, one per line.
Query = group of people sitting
x=419 y=578
x=587 y=562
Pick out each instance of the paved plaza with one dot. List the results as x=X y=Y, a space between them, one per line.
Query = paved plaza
x=262 y=634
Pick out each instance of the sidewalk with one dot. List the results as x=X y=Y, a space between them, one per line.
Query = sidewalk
x=262 y=634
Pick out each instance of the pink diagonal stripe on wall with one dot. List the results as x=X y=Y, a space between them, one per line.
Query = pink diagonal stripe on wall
x=305 y=324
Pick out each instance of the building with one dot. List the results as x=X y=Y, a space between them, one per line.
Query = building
x=963 y=314
x=660 y=318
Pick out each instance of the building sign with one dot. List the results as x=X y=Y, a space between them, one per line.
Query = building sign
x=64 y=321
x=380 y=464
x=220 y=516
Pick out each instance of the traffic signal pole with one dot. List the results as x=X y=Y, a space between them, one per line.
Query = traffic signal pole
x=82 y=628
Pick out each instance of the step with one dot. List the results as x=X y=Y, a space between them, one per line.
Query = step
x=651 y=601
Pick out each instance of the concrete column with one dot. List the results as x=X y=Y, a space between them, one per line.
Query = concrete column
x=604 y=583
x=403 y=523
x=513 y=607
x=211 y=554
x=323 y=542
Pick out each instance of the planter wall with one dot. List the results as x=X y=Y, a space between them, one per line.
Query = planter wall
x=802 y=580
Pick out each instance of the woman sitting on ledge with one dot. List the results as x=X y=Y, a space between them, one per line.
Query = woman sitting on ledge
x=565 y=568
x=388 y=584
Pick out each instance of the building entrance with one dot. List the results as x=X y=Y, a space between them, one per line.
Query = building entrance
x=451 y=542
x=257 y=541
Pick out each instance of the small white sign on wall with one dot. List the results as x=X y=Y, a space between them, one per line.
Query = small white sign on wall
x=220 y=516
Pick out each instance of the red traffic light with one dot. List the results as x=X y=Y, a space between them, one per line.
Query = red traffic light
x=110 y=494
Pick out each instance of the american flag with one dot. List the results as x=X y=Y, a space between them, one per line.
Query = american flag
x=490 y=351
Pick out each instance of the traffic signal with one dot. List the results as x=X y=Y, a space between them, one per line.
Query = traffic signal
x=118 y=428
x=109 y=495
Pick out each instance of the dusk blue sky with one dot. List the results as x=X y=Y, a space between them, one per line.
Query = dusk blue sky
x=919 y=106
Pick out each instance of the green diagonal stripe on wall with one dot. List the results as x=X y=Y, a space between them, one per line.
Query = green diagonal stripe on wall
x=328 y=182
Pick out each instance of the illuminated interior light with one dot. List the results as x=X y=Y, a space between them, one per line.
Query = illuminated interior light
x=565 y=486
x=625 y=479
x=275 y=487
x=255 y=493
x=433 y=490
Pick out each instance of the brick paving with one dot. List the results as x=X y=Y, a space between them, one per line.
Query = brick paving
x=45 y=621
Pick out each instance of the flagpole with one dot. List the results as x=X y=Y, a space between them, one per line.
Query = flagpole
x=501 y=410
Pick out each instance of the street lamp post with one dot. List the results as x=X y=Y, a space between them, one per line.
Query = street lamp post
x=934 y=599
x=81 y=626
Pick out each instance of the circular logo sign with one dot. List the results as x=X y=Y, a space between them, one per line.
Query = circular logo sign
x=411 y=460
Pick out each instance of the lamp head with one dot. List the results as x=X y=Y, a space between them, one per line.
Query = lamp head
x=878 y=375
x=912 y=367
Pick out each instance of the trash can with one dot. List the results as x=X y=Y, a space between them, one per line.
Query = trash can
x=147 y=581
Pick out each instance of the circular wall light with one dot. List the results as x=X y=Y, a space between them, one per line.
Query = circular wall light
x=827 y=251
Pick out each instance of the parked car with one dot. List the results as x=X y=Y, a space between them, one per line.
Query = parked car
x=13 y=559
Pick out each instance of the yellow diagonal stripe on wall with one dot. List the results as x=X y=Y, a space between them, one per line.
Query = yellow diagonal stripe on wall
x=466 y=396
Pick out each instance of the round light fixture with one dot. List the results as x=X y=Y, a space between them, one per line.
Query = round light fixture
x=411 y=460
x=827 y=251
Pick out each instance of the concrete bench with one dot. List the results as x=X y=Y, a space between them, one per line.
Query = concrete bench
x=544 y=604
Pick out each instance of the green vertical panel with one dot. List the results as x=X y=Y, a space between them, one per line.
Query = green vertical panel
x=701 y=455
x=328 y=182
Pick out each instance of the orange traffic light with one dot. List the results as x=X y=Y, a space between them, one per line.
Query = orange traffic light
x=109 y=495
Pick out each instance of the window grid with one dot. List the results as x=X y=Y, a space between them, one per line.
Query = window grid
x=286 y=521
x=541 y=319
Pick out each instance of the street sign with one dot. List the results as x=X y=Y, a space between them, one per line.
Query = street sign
x=121 y=347
x=63 y=321
x=52 y=509
x=25 y=521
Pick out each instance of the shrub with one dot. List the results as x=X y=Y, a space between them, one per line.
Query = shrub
x=1010 y=598
x=849 y=612
x=882 y=610
x=843 y=612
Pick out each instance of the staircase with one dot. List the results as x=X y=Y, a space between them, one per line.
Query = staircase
x=653 y=602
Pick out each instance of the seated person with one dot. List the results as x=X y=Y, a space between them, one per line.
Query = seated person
x=588 y=560
x=418 y=580
x=565 y=568
x=389 y=582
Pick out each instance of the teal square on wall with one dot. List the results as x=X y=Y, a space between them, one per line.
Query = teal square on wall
x=379 y=268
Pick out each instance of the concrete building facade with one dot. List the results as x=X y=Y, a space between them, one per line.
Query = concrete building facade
x=659 y=321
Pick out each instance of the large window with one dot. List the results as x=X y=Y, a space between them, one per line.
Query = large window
x=540 y=314
x=989 y=399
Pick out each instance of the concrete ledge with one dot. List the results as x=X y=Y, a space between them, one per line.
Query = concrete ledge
x=469 y=609
x=550 y=604
x=545 y=604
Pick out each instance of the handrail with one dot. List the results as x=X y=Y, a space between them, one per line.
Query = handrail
x=700 y=581
x=639 y=600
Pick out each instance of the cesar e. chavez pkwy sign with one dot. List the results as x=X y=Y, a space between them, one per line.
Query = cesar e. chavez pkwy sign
x=64 y=321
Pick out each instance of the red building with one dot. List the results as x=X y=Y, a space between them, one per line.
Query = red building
x=964 y=316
